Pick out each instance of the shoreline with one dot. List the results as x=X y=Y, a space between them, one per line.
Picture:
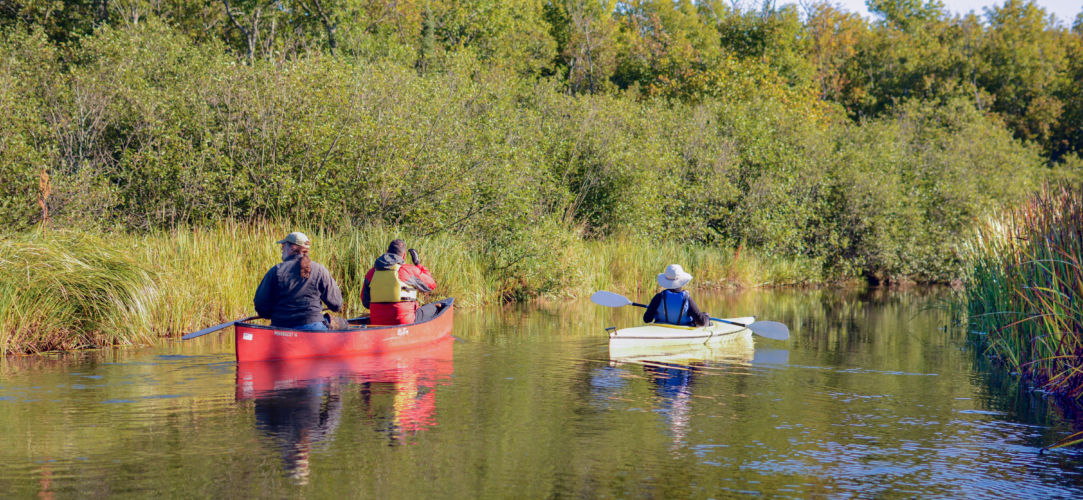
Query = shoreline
x=71 y=290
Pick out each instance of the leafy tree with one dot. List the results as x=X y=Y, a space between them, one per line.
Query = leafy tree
x=60 y=20
x=587 y=45
x=1024 y=66
x=908 y=15
x=512 y=33
x=773 y=36
x=834 y=39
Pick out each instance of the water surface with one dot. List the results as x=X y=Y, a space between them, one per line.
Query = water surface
x=870 y=397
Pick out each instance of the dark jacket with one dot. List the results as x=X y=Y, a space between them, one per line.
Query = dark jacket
x=290 y=300
x=699 y=318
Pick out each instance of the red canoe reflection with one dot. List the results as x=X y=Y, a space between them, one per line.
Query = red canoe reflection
x=299 y=403
x=429 y=365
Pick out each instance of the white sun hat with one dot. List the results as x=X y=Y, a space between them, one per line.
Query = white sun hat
x=674 y=277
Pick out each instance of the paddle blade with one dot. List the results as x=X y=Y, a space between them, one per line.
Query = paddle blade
x=770 y=329
x=609 y=299
x=215 y=328
x=210 y=329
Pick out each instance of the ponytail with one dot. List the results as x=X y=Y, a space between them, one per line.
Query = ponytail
x=306 y=263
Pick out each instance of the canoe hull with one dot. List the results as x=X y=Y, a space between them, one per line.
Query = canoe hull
x=428 y=365
x=261 y=343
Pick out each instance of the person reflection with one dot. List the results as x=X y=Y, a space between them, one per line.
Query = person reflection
x=407 y=407
x=298 y=419
x=673 y=386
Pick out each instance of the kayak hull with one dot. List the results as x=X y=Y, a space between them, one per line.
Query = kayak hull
x=737 y=348
x=260 y=343
x=660 y=334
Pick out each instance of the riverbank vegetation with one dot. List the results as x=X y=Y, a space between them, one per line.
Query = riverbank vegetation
x=754 y=145
x=70 y=289
x=1024 y=287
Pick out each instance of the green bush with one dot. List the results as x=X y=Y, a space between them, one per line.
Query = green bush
x=143 y=128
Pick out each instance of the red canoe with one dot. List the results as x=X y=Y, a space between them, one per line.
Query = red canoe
x=259 y=342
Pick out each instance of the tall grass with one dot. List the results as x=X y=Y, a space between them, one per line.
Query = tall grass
x=72 y=289
x=1025 y=290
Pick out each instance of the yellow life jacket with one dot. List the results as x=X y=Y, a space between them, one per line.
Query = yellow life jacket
x=385 y=287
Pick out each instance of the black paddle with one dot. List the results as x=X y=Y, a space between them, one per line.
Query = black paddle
x=215 y=328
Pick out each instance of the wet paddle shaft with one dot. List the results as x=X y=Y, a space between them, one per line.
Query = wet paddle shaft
x=769 y=329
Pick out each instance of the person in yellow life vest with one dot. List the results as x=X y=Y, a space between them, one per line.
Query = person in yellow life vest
x=392 y=286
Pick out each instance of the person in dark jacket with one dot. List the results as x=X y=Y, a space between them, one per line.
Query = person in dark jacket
x=293 y=292
x=392 y=286
x=673 y=305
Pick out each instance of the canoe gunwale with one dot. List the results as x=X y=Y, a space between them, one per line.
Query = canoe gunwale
x=448 y=302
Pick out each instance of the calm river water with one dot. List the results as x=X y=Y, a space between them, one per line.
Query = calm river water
x=870 y=397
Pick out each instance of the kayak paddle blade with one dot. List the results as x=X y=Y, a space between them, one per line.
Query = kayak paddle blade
x=770 y=329
x=609 y=299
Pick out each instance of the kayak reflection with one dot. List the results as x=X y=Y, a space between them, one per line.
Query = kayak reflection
x=673 y=370
x=298 y=404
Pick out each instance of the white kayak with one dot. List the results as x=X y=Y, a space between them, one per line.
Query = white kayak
x=734 y=348
x=659 y=334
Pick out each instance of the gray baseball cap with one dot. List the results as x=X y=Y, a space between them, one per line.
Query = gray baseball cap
x=296 y=238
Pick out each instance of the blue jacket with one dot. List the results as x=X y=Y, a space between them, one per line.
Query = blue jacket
x=674 y=307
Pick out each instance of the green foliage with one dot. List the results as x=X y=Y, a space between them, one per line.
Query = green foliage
x=514 y=33
x=25 y=145
x=1017 y=63
x=775 y=37
x=1025 y=66
x=684 y=121
x=909 y=185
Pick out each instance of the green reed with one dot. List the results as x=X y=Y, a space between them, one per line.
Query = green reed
x=1025 y=290
x=69 y=289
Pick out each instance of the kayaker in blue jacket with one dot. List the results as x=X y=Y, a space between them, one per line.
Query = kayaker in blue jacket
x=673 y=305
